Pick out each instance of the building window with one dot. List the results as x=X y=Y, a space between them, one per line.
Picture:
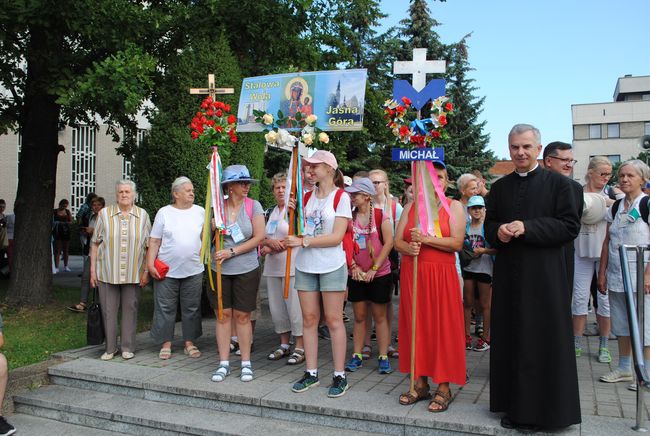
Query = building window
x=647 y=128
x=127 y=166
x=613 y=158
x=613 y=130
x=83 y=165
x=594 y=131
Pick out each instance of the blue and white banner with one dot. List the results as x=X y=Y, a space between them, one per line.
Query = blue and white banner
x=411 y=154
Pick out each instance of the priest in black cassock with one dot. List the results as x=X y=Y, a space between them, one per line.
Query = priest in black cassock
x=531 y=215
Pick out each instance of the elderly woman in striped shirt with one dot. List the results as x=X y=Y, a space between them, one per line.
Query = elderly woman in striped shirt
x=117 y=266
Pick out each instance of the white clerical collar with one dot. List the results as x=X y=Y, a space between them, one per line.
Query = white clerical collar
x=527 y=172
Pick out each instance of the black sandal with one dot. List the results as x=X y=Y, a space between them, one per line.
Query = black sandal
x=78 y=308
x=444 y=403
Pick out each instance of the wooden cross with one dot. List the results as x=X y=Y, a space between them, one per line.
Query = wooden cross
x=419 y=67
x=211 y=90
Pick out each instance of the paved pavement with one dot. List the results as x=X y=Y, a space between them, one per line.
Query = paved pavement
x=604 y=406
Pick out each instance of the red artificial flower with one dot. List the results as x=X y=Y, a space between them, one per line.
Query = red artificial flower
x=226 y=107
x=232 y=119
x=210 y=123
x=442 y=120
x=209 y=112
x=391 y=112
x=233 y=139
x=435 y=134
x=205 y=105
x=199 y=114
x=449 y=107
x=404 y=131
x=199 y=129
x=219 y=113
x=400 y=109
x=195 y=135
x=219 y=129
x=406 y=101
x=208 y=99
x=219 y=105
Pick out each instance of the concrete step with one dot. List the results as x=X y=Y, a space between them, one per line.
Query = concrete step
x=123 y=414
x=34 y=425
x=356 y=411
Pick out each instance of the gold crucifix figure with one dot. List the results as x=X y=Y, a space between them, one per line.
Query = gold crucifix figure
x=211 y=90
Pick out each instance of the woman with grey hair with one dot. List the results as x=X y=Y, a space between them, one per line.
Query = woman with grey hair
x=467 y=187
x=627 y=224
x=176 y=242
x=117 y=266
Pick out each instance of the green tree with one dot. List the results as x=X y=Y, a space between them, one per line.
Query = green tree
x=466 y=151
x=61 y=61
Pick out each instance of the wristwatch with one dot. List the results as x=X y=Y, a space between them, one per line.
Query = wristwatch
x=305 y=242
x=375 y=268
x=232 y=252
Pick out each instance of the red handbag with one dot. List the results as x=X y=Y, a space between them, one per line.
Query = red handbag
x=161 y=267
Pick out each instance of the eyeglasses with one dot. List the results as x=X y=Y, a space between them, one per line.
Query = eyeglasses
x=378 y=182
x=565 y=160
x=608 y=175
x=244 y=183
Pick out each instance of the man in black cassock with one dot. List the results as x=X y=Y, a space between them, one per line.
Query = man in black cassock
x=531 y=215
x=558 y=158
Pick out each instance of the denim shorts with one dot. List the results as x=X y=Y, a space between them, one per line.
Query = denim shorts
x=336 y=280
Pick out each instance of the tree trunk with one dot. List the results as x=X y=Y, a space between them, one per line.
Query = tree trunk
x=31 y=280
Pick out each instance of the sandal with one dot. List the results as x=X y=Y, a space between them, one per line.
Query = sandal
x=393 y=352
x=79 y=308
x=366 y=351
x=279 y=354
x=192 y=351
x=297 y=357
x=421 y=393
x=444 y=403
x=165 y=353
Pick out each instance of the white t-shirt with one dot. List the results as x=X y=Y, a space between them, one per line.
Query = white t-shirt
x=180 y=231
x=319 y=220
x=275 y=263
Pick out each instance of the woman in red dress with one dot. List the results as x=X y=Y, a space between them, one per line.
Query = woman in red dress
x=439 y=343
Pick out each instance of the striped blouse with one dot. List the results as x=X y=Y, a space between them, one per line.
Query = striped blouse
x=122 y=243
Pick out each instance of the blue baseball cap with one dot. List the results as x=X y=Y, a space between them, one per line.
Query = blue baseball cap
x=476 y=200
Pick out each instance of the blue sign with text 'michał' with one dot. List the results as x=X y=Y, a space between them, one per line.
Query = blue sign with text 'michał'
x=411 y=154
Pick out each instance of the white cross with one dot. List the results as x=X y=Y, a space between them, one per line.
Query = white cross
x=419 y=67
x=211 y=90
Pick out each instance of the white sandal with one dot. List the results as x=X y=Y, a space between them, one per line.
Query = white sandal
x=246 y=374
x=221 y=373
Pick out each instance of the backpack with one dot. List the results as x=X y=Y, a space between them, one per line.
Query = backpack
x=644 y=209
x=350 y=246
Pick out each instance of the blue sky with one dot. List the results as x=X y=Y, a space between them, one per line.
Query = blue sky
x=534 y=59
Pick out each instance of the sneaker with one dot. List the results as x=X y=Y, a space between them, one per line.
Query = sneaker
x=468 y=342
x=324 y=332
x=617 y=376
x=338 y=388
x=578 y=351
x=221 y=373
x=246 y=373
x=354 y=363
x=481 y=345
x=307 y=381
x=373 y=335
x=346 y=318
x=67 y=269
x=384 y=366
x=366 y=352
x=5 y=427
x=604 y=356
x=479 y=329
x=633 y=387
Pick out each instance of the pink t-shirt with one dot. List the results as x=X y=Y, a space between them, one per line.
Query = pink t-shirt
x=365 y=236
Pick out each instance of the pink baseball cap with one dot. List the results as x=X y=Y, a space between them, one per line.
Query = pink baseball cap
x=322 y=156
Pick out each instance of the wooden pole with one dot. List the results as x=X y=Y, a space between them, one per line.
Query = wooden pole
x=292 y=214
x=414 y=292
x=219 y=284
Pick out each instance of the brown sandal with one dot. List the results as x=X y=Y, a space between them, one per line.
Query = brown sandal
x=444 y=403
x=421 y=393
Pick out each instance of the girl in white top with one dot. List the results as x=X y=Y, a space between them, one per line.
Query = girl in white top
x=321 y=270
x=626 y=227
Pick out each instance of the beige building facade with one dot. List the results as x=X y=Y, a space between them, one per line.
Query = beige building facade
x=613 y=129
x=89 y=164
